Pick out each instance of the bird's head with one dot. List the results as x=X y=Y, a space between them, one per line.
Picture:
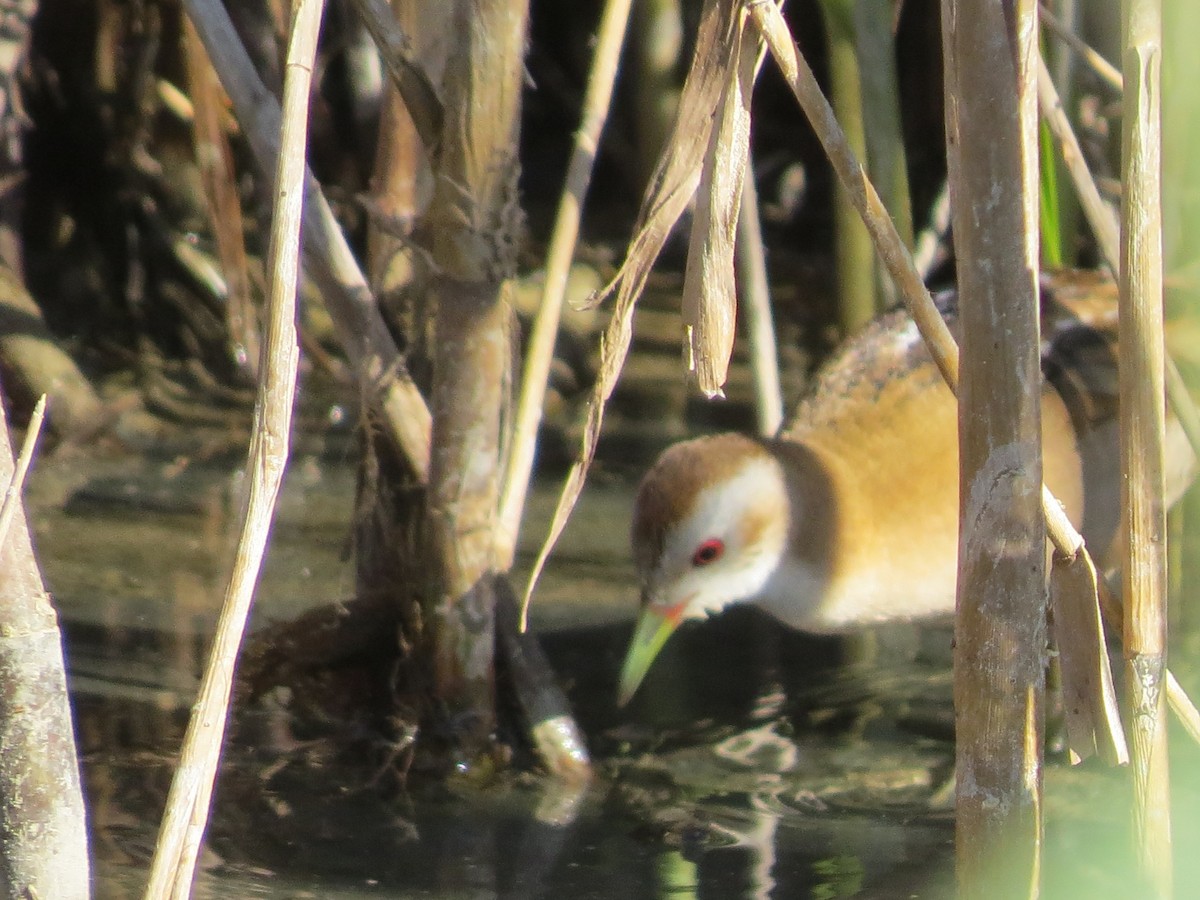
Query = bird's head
x=710 y=526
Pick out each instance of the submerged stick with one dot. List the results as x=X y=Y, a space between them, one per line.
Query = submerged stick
x=191 y=789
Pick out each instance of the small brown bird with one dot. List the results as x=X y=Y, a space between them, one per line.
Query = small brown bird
x=849 y=517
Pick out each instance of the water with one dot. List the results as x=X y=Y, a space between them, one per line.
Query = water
x=754 y=763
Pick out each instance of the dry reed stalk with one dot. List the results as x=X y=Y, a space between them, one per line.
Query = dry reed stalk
x=756 y=304
x=610 y=38
x=1000 y=622
x=191 y=789
x=214 y=160
x=329 y=261
x=16 y=484
x=899 y=263
x=44 y=844
x=1142 y=420
x=888 y=244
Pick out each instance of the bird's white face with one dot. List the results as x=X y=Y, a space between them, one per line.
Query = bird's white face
x=725 y=550
x=710 y=529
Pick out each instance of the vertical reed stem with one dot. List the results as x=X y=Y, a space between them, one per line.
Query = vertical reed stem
x=1142 y=451
x=188 y=802
x=1000 y=627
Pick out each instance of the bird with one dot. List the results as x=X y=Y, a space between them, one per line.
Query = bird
x=848 y=517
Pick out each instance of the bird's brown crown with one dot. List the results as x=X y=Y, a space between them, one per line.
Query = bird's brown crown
x=668 y=492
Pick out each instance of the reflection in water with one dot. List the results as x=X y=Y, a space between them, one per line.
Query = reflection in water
x=782 y=779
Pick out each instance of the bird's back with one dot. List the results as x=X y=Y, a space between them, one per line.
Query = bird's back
x=885 y=427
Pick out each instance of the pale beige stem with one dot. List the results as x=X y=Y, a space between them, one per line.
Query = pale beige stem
x=540 y=353
x=1142 y=421
x=191 y=789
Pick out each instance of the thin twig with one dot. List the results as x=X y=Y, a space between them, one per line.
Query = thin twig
x=1101 y=66
x=609 y=39
x=191 y=789
x=12 y=493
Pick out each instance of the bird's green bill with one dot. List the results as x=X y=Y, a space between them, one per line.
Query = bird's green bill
x=653 y=628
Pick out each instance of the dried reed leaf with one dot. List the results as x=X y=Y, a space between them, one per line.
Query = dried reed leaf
x=674 y=182
x=1089 y=697
x=709 y=291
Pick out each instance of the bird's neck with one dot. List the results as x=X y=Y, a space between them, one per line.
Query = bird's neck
x=836 y=573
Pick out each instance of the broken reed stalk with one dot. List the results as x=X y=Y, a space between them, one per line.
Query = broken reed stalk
x=708 y=306
x=756 y=306
x=16 y=484
x=1105 y=229
x=1000 y=622
x=188 y=803
x=328 y=259
x=610 y=38
x=1142 y=440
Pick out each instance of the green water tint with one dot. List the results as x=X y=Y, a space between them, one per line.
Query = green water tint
x=754 y=762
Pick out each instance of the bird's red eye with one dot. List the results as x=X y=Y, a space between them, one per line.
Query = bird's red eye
x=707 y=552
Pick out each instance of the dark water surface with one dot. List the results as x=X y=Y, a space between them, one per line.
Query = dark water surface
x=753 y=764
